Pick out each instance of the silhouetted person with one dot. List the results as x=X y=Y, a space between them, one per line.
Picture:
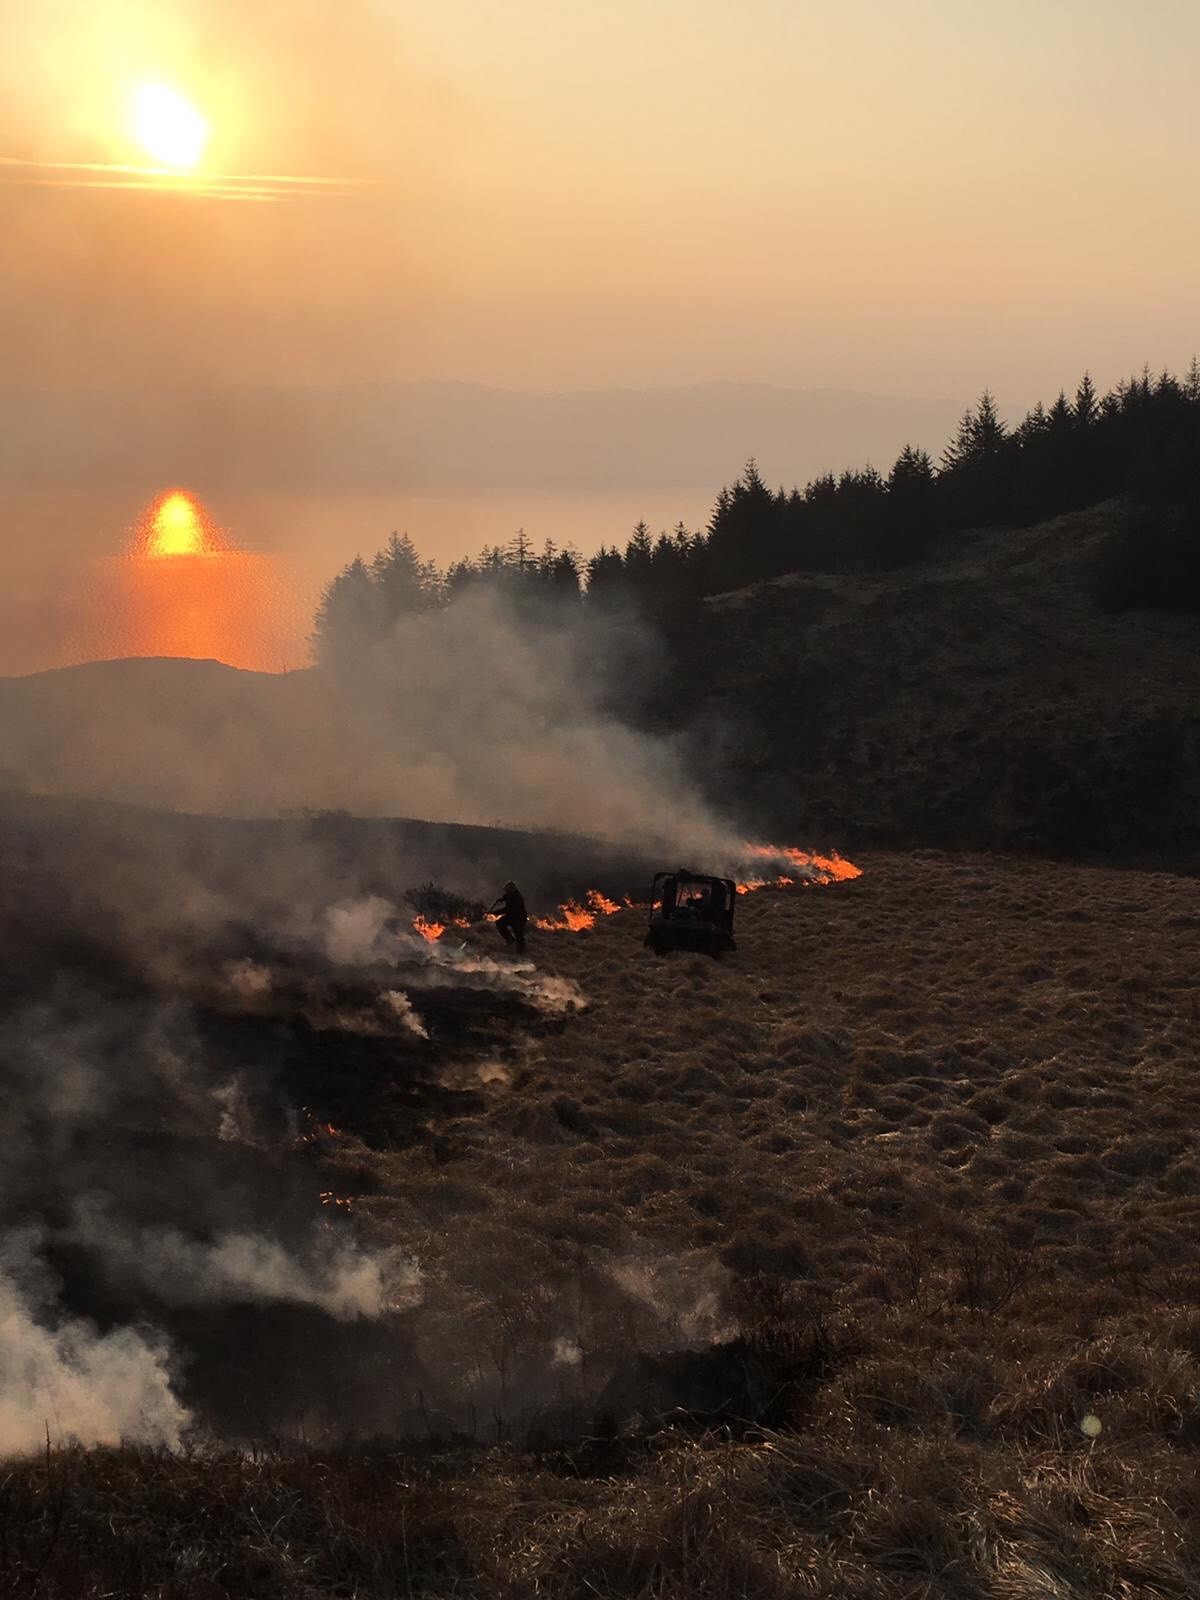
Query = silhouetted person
x=512 y=916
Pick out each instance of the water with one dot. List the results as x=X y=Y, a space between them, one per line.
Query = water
x=67 y=594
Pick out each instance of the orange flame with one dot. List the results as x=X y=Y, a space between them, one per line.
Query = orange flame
x=433 y=931
x=316 y=1129
x=817 y=869
x=576 y=918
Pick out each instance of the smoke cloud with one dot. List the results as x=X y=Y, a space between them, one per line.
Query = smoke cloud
x=340 y=1280
x=62 y=1379
x=471 y=716
x=211 y=1025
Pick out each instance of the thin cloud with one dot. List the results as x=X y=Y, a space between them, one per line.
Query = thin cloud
x=15 y=170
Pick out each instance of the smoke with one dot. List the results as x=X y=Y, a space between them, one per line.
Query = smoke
x=473 y=716
x=360 y=931
x=343 y=1281
x=402 y=1009
x=239 y=1007
x=62 y=1379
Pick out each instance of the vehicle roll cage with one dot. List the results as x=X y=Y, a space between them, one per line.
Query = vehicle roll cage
x=692 y=899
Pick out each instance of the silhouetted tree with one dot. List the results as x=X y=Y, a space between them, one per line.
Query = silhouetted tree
x=976 y=485
x=912 y=516
x=404 y=584
x=606 y=585
x=347 y=616
x=744 y=532
x=1140 y=440
x=1087 y=403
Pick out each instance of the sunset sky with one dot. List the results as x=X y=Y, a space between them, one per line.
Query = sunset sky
x=907 y=197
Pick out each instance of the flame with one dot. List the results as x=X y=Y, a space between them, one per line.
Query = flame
x=340 y=1202
x=574 y=917
x=816 y=868
x=578 y=916
x=316 y=1129
x=433 y=931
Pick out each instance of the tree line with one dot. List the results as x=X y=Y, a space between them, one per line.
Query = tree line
x=1140 y=441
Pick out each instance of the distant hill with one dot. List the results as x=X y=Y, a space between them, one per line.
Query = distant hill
x=982 y=699
x=439 y=438
x=180 y=734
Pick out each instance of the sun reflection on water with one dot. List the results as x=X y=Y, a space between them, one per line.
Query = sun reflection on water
x=185 y=590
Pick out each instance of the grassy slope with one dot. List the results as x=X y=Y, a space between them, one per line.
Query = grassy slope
x=931 y=1137
x=980 y=700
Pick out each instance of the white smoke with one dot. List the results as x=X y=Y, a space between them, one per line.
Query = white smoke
x=360 y=932
x=346 y=1283
x=509 y=728
x=369 y=932
x=63 y=1379
x=401 y=1006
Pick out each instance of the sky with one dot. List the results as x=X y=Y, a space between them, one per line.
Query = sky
x=901 y=197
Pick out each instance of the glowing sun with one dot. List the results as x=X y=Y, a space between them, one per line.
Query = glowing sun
x=168 y=127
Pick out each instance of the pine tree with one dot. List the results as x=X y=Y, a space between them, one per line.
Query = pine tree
x=989 y=431
x=347 y=619
x=911 y=522
x=404 y=584
x=639 y=551
x=605 y=577
x=1087 y=403
x=962 y=445
x=1061 y=420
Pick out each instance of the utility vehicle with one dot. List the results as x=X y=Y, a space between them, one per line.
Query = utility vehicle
x=691 y=911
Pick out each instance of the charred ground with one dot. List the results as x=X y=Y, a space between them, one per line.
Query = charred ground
x=794 y=1273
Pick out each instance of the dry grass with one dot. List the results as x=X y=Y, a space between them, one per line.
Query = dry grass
x=921 y=1159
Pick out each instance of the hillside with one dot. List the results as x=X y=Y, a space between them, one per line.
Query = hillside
x=793 y=1274
x=980 y=699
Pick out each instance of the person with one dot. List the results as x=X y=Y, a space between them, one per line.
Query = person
x=699 y=905
x=512 y=916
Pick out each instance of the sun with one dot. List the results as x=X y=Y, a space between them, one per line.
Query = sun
x=168 y=127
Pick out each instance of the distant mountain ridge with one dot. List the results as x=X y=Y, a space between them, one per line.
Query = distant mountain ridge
x=453 y=437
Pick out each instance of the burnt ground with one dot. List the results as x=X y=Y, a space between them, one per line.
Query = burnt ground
x=795 y=1273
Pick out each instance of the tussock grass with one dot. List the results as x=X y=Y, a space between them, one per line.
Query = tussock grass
x=842 y=1238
